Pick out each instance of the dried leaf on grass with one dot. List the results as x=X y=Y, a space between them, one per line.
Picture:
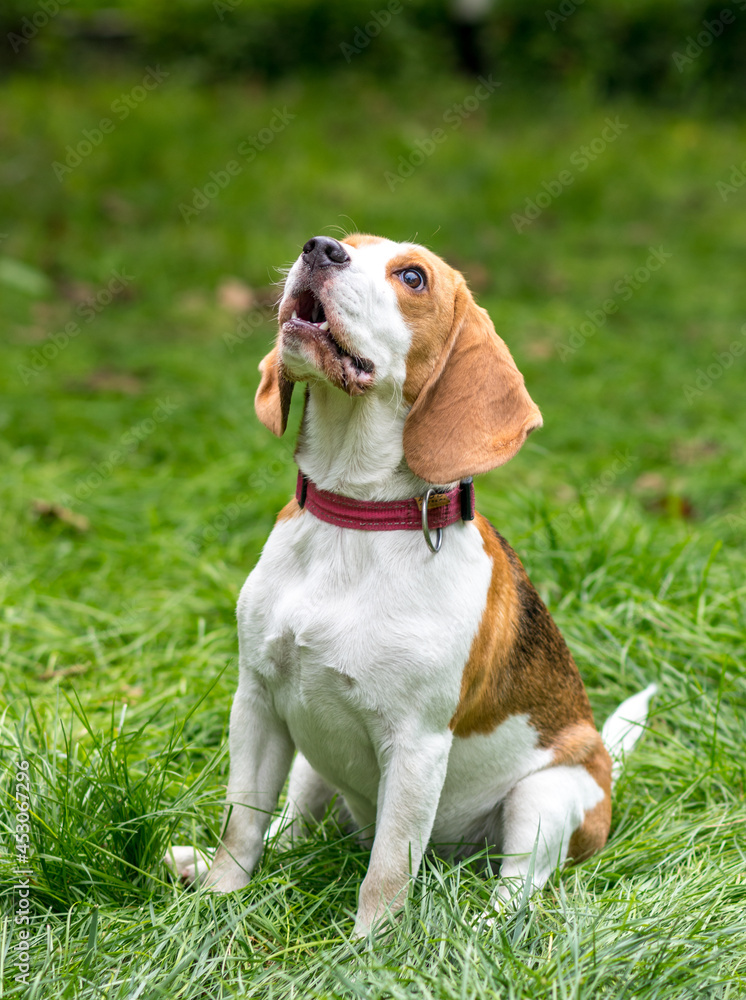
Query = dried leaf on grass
x=50 y=512
x=62 y=672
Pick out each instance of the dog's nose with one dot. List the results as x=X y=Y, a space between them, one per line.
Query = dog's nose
x=323 y=251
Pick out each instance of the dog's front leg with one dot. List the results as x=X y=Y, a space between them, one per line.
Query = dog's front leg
x=411 y=782
x=261 y=751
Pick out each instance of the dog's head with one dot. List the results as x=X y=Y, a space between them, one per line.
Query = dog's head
x=368 y=315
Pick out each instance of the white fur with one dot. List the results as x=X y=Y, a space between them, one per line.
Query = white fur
x=625 y=726
x=540 y=814
x=352 y=649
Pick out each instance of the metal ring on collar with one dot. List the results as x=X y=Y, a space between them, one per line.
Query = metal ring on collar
x=426 y=526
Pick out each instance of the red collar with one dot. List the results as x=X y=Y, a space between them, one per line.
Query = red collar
x=387 y=515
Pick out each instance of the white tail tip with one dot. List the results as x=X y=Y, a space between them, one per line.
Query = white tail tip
x=625 y=726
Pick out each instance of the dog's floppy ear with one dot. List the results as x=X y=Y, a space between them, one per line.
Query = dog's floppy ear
x=272 y=400
x=473 y=412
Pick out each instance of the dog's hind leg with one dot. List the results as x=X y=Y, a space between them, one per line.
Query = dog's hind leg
x=307 y=800
x=540 y=815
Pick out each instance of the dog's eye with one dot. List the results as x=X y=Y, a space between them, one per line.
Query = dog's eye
x=413 y=278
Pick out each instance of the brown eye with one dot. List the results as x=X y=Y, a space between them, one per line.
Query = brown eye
x=413 y=279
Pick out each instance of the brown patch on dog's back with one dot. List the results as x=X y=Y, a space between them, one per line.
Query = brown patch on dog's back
x=519 y=662
x=482 y=704
x=575 y=744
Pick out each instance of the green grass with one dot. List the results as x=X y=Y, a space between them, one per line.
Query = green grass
x=628 y=510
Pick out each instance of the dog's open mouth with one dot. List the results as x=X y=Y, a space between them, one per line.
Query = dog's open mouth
x=308 y=331
x=310 y=309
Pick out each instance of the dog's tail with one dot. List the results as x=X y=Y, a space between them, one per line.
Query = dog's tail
x=625 y=726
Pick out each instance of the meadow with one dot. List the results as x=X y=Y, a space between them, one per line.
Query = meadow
x=139 y=257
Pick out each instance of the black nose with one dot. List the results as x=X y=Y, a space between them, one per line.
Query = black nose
x=323 y=251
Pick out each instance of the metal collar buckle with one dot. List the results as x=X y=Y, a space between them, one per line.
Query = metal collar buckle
x=467 y=512
x=426 y=527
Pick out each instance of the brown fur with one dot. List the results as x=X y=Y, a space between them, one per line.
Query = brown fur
x=361 y=239
x=471 y=411
x=290 y=510
x=593 y=832
x=272 y=400
x=575 y=744
x=428 y=314
x=518 y=662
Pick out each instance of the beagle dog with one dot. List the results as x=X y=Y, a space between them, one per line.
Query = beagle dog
x=392 y=648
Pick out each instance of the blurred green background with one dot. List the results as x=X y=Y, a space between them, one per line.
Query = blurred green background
x=162 y=161
x=583 y=164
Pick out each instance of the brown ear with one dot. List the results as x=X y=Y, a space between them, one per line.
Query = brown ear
x=272 y=400
x=474 y=412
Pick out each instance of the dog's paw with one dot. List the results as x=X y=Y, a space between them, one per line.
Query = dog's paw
x=225 y=878
x=187 y=864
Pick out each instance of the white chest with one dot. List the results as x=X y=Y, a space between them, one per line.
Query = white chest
x=361 y=635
